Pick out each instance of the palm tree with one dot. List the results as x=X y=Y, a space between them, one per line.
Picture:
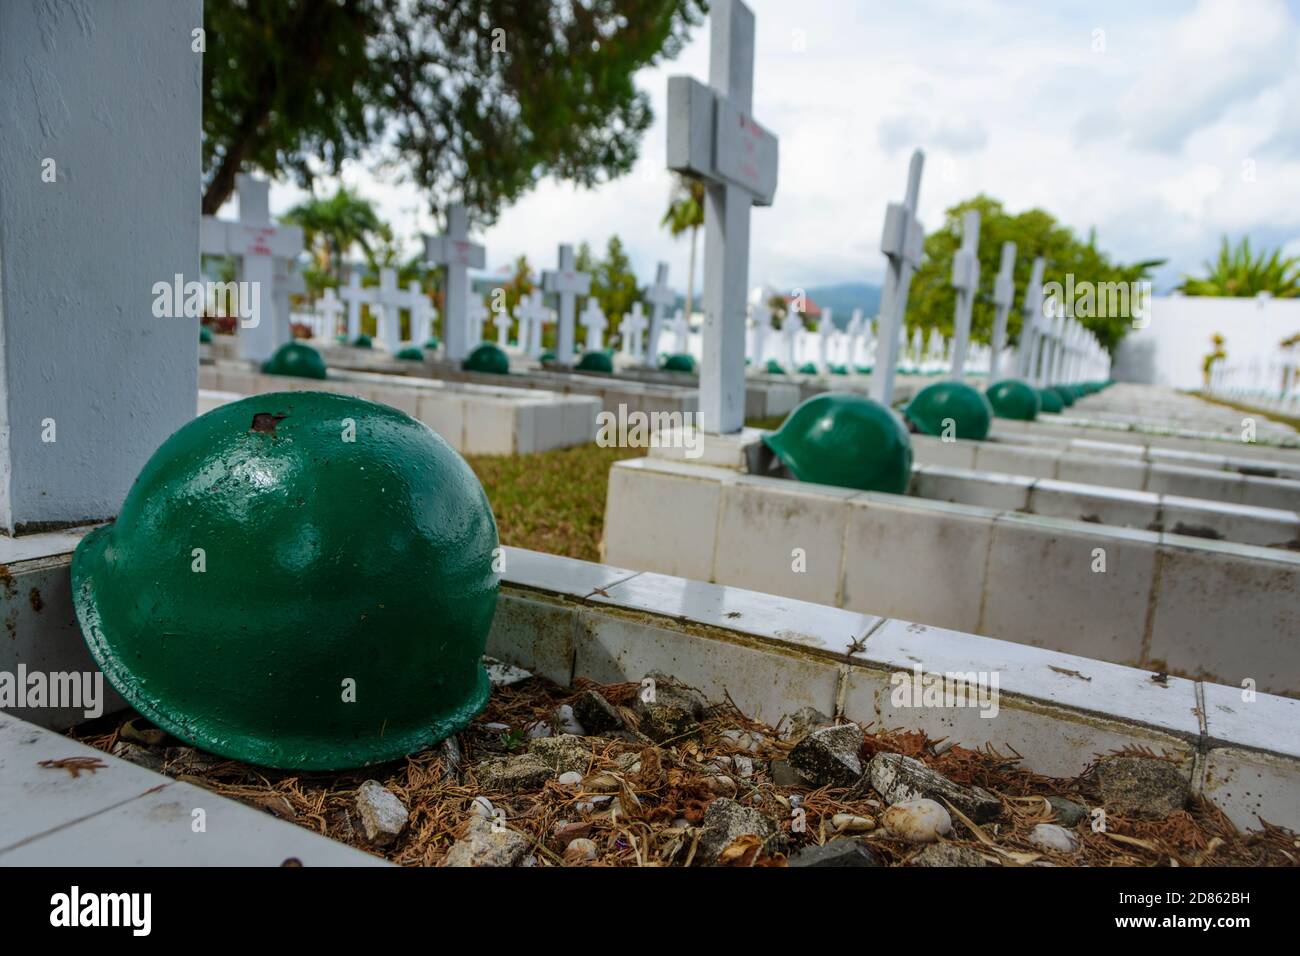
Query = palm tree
x=332 y=226
x=686 y=211
x=1238 y=272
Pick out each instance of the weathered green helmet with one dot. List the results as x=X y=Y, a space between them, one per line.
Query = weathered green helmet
x=299 y=580
x=838 y=438
x=1051 y=402
x=839 y=370
x=205 y=335
x=679 y=362
x=363 y=341
x=807 y=368
x=487 y=358
x=432 y=342
x=596 y=362
x=296 y=359
x=411 y=354
x=1012 y=398
x=547 y=356
x=1064 y=393
x=774 y=367
x=935 y=406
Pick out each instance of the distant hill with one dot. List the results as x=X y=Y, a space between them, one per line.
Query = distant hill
x=844 y=297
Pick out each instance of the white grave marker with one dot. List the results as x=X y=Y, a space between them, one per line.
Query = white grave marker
x=712 y=135
x=1031 y=310
x=330 y=309
x=903 y=243
x=762 y=318
x=966 y=280
x=630 y=329
x=661 y=298
x=422 y=313
x=1004 y=291
x=356 y=296
x=502 y=319
x=457 y=255
x=568 y=283
x=478 y=316
x=594 y=324
x=532 y=316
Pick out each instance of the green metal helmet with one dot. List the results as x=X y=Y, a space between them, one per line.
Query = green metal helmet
x=296 y=359
x=934 y=406
x=487 y=358
x=1051 y=401
x=848 y=440
x=680 y=362
x=205 y=335
x=1012 y=398
x=362 y=341
x=596 y=362
x=300 y=580
x=547 y=356
x=774 y=367
x=432 y=342
x=839 y=370
x=807 y=368
x=411 y=354
x=1064 y=393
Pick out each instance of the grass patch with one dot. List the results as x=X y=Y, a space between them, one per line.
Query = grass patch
x=1289 y=420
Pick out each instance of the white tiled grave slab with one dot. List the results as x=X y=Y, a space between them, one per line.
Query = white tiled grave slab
x=1111 y=593
x=765 y=396
x=474 y=419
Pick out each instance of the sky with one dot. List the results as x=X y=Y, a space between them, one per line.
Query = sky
x=1164 y=124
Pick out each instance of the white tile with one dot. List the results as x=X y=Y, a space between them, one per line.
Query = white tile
x=1195 y=483
x=929 y=450
x=1096 y=504
x=1243 y=524
x=559 y=575
x=963 y=486
x=489 y=427
x=1270 y=492
x=1016 y=460
x=1250 y=786
x=661 y=516
x=1264 y=722
x=445 y=414
x=1117 y=472
x=534 y=632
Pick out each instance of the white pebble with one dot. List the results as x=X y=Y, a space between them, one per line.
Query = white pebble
x=917 y=821
x=744 y=765
x=580 y=850
x=851 y=823
x=1050 y=836
x=570 y=778
x=482 y=807
x=568 y=723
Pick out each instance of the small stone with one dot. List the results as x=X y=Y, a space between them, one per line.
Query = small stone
x=1049 y=836
x=744 y=766
x=673 y=711
x=570 y=778
x=602 y=783
x=722 y=785
x=383 y=816
x=784 y=775
x=840 y=851
x=487 y=845
x=567 y=722
x=540 y=728
x=562 y=834
x=947 y=854
x=563 y=753
x=449 y=751
x=852 y=823
x=898 y=778
x=515 y=774
x=1142 y=786
x=596 y=713
x=829 y=757
x=581 y=850
x=917 y=821
x=482 y=808
x=804 y=721
x=140 y=756
x=725 y=821
x=744 y=740
x=1068 y=813
x=501 y=674
x=496 y=727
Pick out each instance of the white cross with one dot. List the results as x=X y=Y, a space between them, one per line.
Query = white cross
x=502 y=319
x=568 y=283
x=422 y=313
x=391 y=300
x=966 y=280
x=457 y=255
x=762 y=317
x=356 y=296
x=1004 y=291
x=266 y=252
x=1031 y=307
x=903 y=243
x=633 y=324
x=594 y=322
x=681 y=329
x=825 y=331
x=478 y=316
x=660 y=298
x=712 y=135
x=330 y=308
x=790 y=330
x=532 y=316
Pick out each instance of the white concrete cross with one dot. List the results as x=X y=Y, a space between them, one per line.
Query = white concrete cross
x=1031 y=310
x=680 y=327
x=502 y=319
x=712 y=135
x=478 y=315
x=660 y=298
x=918 y=349
x=532 y=316
x=935 y=355
x=903 y=243
x=825 y=332
x=266 y=253
x=422 y=313
x=630 y=329
x=330 y=308
x=790 y=331
x=1004 y=292
x=457 y=255
x=966 y=280
x=356 y=296
x=568 y=283
x=762 y=317
x=594 y=324
x=390 y=300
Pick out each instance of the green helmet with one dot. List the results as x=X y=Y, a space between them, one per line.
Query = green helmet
x=299 y=580
x=680 y=362
x=774 y=367
x=205 y=335
x=596 y=362
x=362 y=341
x=839 y=370
x=411 y=354
x=432 y=343
x=1051 y=401
x=1012 y=398
x=296 y=359
x=547 y=356
x=1064 y=393
x=487 y=358
x=838 y=438
x=934 y=406
x=807 y=368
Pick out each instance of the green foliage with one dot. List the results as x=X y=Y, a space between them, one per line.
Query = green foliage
x=331 y=226
x=1035 y=233
x=474 y=99
x=686 y=214
x=1238 y=272
x=613 y=282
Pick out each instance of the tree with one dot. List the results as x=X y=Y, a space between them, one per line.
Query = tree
x=686 y=212
x=1035 y=233
x=613 y=283
x=331 y=227
x=1238 y=272
x=474 y=99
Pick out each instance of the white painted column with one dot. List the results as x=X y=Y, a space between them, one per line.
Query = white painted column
x=1004 y=291
x=902 y=242
x=99 y=200
x=966 y=280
